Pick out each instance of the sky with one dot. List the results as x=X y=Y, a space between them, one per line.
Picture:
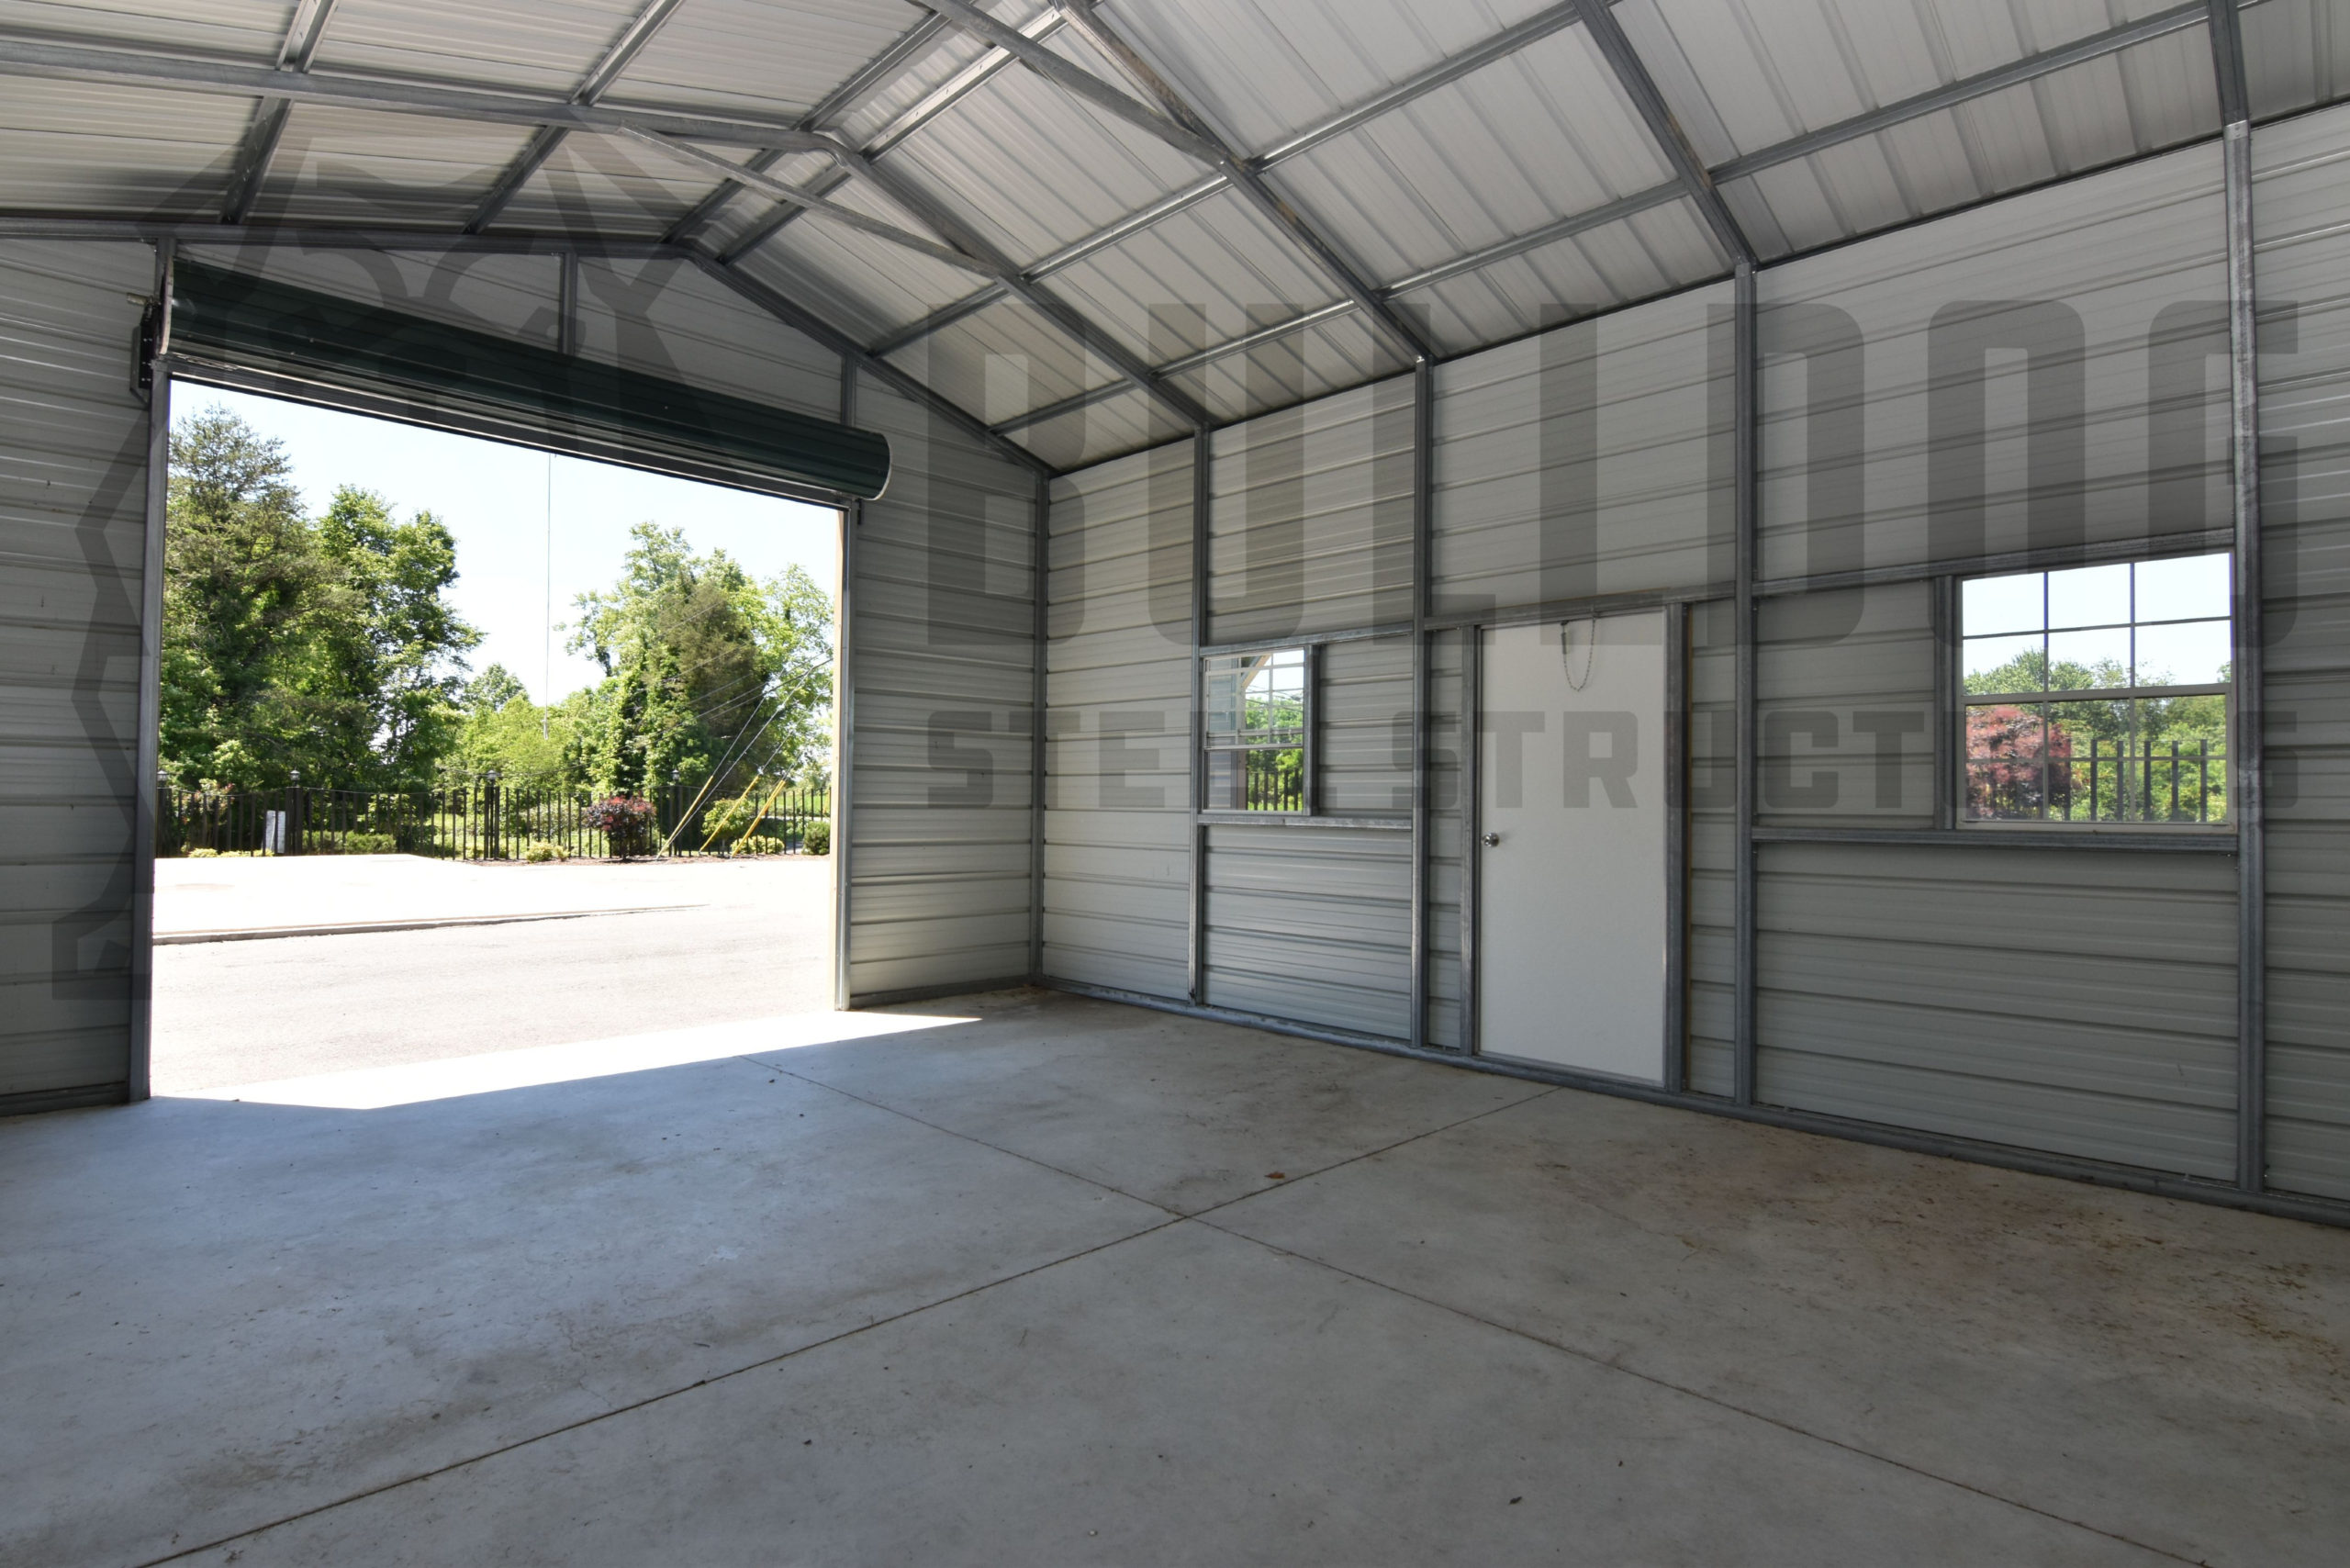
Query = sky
x=496 y=500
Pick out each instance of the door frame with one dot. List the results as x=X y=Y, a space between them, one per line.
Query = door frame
x=1675 y=1043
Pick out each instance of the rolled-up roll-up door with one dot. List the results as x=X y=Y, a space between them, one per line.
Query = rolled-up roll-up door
x=342 y=351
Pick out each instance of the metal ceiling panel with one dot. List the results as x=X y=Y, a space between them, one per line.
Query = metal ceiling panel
x=1031 y=167
x=758 y=57
x=544 y=46
x=336 y=165
x=749 y=210
x=1531 y=138
x=233 y=30
x=933 y=76
x=1220 y=256
x=866 y=287
x=1099 y=431
x=2103 y=111
x=1329 y=356
x=91 y=148
x=1258 y=70
x=1643 y=256
x=2296 y=54
x=1003 y=362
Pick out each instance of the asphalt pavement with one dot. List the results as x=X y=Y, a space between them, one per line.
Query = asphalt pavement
x=740 y=939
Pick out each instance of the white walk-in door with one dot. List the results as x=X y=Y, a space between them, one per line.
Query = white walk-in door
x=1570 y=924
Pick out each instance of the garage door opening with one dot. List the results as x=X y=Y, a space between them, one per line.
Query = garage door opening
x=470 y=748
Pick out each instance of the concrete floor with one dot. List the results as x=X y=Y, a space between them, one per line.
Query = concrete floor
x=1072 y=1282
x=750 y=939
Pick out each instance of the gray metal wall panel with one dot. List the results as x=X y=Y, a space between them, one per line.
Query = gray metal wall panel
x=2080 y=1003
x=1847 y=708
x=1118 y=703
x=1312 y=923
x=1580 y=462
x=2044 y=371
x=942 y=638
x=72 y=530
x=1713 y=837
x=1309 y=528
x=1363 y=731
x=1445 y=827
x=2302 y=170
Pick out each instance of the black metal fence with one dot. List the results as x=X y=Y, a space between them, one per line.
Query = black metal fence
x=483 y=818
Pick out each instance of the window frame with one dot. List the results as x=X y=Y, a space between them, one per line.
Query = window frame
x=1957 y=771
x=1310 y=659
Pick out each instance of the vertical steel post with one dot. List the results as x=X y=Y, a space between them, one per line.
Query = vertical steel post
x=1747 y=512
x=1676 y=847
x=1041 y=567
x=2252 y=858
x=566 y=308
x=2243 y=455
x=1473 y=763
x=844 y=717
x=1202 y=469
x=1423 y=541
x=147 y=747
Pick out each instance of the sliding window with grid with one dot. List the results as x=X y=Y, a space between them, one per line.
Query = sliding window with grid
x=1257 y=730
x=2098 y=695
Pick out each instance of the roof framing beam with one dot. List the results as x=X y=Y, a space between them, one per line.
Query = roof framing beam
x=169 y=73
x=1632 y=74
x=326 y=237
x=304 y=32
x=1933 y=101
x=616 y=58
x=1269 y=203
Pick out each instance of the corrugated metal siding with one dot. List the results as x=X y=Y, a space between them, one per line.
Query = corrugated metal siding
x=1118 y=699
x=2080 y=1003
x=72 y=530
x=1845 y=689
x=1711 y=957
x=941 y=643
x=1580 y=463
x=1312 y=923
x=1310 y=521
x=1364 y=729
x=545 y=46
x=1446 y=826
x=2304 y=273
x=2065 y=308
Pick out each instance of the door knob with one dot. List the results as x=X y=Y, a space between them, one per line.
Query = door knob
x=1493 y=839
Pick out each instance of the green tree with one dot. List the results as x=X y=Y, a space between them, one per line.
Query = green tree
x=505 y=733
x=244 y=590
x=328 y=646
x=712 y=677
x=392 y=665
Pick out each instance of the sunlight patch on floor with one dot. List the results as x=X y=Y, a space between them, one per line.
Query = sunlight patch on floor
x=409 y=1084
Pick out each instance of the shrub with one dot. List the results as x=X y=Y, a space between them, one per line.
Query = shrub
x=539 y=851
x=760 y=844
x=817 y=838
x=203 y=855
x=625 y=821
x=368 y=843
